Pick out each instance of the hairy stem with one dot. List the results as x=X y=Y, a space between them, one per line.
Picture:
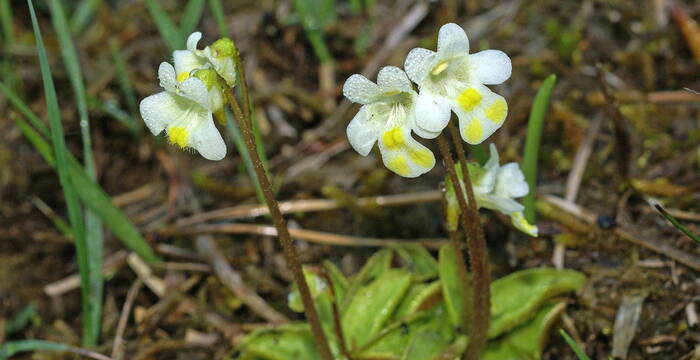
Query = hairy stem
x=290 y=253
x=478 y=254
x=464 y=279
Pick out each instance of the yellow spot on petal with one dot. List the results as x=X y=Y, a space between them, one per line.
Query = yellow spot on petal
x=468 y=99
x=399 y=165
x=183 y=76
x=521 y=224
x=393 y=139
x=440 y=68
x=421 y=157
x=178 y=136
x=497 y=111
x=474 y=131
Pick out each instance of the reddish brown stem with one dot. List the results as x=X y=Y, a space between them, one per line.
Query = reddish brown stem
x=478 y=254
x=290 y=253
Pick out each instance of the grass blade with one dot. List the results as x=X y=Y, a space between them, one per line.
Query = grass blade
x=574 y=346
x=24 y=110
x=532 y=142
x=657 y=206
x=166 y=27
x=237 y=137
x=191 y=17
x=91 y=193
x=82 y=15
x=69 y=193
x=219 y=17
x=314 y=17
x=111 y=108
x=123 y=78
x=12 y=348
x=94 y=237
x=7 y=23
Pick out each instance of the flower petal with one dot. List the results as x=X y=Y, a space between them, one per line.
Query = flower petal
x=511 y=181
x=452 y=41
x=518 y=220
x=418 y=63
x=432 y=114
x=167 y=77
x=186 y=61
x=159 y=110
x=391 y=78
x=404 y=155
x=360 y=90
x=503 y=204
x=192 y=41
x=362 y=133
x=195 y=90
x=207 y=140
x=480 y=111
x=491 y=67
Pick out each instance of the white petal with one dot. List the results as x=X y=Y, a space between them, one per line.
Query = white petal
x=207 y=140
x=432 y=114
x=391 y=78
x=491 y=67
x=159 y=110
x=418 y=63
x=360 y=90
x=452 y=41
x=362 y=133
x=186 y=61
x=167 y=77
x=192 y=41
x=502 y=204
x=480 y=111
x=402 y=154
x=195 y=90
x=511 y=181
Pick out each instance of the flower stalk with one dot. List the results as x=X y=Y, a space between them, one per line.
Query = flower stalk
x=290 y=253
x=478 y=254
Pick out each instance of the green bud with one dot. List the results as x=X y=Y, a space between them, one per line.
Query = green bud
x=223 y=47
x=208 y=76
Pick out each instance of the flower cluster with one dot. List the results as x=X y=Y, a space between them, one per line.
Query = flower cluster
x=495 y=187
x=193 y=95
x=449 y=80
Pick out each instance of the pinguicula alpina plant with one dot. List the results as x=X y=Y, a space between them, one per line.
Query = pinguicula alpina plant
x=196 y=90
x=448 y=80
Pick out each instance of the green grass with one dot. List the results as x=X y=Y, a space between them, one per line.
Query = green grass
x=218 y=12
x=82 y=14
x=94 y=238
x=574 y=346
x=673 y=221
x=175 y=36
x=190 y=17
x=75 y=216
x=123 y=79
x=12 y=348
x=314 y=17
x=540 y=106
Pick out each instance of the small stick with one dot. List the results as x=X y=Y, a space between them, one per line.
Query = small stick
x=233 y=281
x=307 y=235
x=118 y=347
x=478 y=254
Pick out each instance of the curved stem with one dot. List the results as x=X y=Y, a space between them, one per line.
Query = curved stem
x=478 y=254
x=290 y=253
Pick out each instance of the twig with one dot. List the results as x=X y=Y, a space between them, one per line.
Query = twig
x=626 y=233
x=307 y=235
x=233 y=281
x=118 y=347
x=72 y=282
x=299 y=206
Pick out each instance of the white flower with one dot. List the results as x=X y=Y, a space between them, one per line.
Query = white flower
x=388 y=115
x=219 y=56
x=496 y=187
x=451 y=78
x=184 y=110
